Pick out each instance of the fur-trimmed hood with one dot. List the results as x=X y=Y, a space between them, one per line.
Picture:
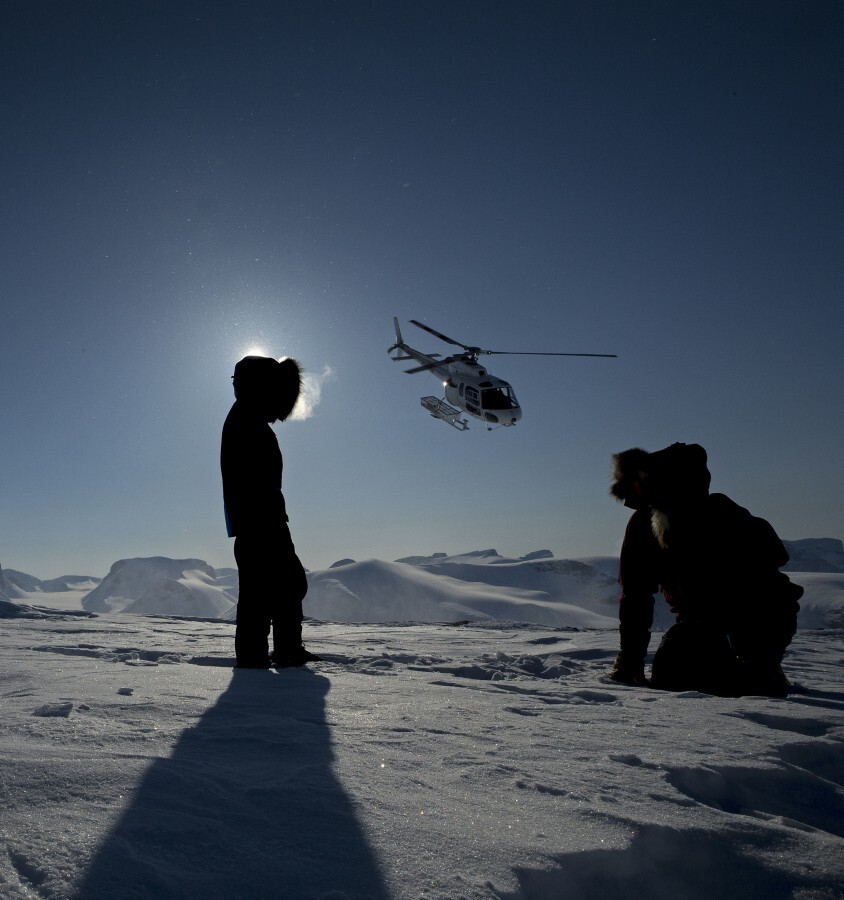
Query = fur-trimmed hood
x=628 y=470
x=677 y=477
x=268 y=384
x=674 y=476
x=289 y=386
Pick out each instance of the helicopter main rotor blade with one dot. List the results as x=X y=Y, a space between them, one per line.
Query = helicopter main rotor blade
x=442 y=337
x=479 y=350
x=534 y=353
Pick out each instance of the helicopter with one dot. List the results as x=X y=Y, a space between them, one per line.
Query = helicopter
x=469 y=387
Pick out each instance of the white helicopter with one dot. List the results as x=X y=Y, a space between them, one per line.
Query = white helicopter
x=469 y=387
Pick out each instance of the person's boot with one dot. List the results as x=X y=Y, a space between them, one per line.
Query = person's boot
x=293 y=656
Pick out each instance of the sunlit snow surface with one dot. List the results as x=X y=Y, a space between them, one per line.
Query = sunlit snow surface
x=479 y=761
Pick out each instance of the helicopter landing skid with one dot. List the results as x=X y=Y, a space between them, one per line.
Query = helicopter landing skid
x=439 y=409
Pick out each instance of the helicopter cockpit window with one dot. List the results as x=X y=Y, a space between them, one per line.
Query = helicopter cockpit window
x=499 y=398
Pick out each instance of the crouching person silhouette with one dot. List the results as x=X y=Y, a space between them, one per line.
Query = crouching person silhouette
x=272 y=579
x=716 y=565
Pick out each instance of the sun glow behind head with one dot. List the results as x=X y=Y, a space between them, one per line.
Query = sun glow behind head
x=254 y=350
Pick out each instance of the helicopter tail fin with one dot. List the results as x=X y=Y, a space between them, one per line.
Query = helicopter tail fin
x=399 y=344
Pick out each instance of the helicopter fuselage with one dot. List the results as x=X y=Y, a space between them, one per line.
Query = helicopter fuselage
x=468 y=386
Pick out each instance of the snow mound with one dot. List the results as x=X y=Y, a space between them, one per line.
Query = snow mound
x=445 y=591
x=161 y=586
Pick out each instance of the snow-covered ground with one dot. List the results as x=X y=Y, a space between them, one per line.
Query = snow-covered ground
x=481 y=760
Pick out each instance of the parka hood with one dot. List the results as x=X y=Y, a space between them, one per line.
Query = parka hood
x=675 y=475
x=268 y=385
x=628 y=470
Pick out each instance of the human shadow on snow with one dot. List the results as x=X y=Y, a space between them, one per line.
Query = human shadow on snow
x=247 y=806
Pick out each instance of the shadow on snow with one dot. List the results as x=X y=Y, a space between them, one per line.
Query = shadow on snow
x=247 y=806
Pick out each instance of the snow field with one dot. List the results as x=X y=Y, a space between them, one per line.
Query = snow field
x=483 y=761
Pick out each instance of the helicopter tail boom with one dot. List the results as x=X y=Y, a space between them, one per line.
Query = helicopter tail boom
x=404 y=352
x=399 y=339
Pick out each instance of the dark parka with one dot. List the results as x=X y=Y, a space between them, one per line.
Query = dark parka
x=714 y=562
x=250 y=459
x=720 y=569
x=251 y=466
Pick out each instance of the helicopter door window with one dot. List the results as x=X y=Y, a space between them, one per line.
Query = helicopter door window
x=472 y=394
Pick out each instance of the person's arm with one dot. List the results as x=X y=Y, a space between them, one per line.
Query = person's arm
x=638 y=581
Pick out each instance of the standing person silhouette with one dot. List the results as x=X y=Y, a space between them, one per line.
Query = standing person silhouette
x=272 y=579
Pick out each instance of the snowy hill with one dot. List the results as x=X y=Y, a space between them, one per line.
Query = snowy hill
x=161 y=586
x=376 y=591
x=476 y=586
x=815 y=555
x=19 y=584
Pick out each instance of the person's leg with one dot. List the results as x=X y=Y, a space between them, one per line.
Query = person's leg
x=694 y=657
x=760 y=650
x=290 y=590
x=251 y=642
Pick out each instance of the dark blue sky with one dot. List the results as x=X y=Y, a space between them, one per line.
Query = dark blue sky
x=181 y=182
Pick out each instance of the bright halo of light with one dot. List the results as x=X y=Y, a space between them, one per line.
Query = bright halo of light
x=255 y=350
